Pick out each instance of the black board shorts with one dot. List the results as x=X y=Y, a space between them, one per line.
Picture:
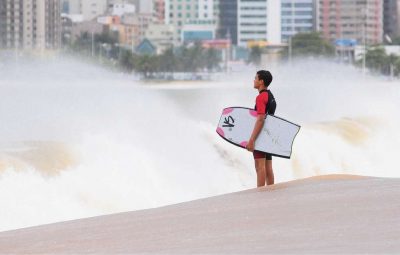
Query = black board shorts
x=261 y=154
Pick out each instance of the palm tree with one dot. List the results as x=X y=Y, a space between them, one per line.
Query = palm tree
x=126 y=60
x=212 y=59
x=255 y=56
x=376 y=59
x=147 y=65
x=168 y=61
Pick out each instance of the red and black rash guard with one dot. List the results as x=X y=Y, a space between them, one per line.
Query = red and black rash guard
x=261 y=103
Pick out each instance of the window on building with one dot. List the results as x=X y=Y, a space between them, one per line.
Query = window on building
x=303 y=5
x=303 y=12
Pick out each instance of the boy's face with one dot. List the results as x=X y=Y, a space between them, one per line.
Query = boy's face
x=257 y=82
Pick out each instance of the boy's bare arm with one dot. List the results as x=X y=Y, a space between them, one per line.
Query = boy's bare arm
x=256 y=131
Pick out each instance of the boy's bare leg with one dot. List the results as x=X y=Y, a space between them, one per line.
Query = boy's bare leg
x=260 y=169
x=269 y=172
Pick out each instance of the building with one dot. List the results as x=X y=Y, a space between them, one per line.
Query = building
x=196 y=12
x=89 y=9
x=136 y=26
x=159 y=11
x=391 y=14
x=297 y=16
x=3 y=23
x=146 y=48
x=259 y=20
x=228 y=19
x=143 y=6
x=161 y=36
x=197 y=31
x=76 y=29
x=11 y=24
x=65 y=6
x=30 y=24
x=71 y=6
x=121 y=9
x=126 y=30
x=351 y=20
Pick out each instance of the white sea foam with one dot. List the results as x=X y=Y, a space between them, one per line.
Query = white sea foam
x=78 y=141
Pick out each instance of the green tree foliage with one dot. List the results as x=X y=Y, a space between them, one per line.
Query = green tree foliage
x=396 y=66
x=167 y=61
x=147 y=65
x=188 y=58
x=212 y=59
x=396 y=41
x=377 y=61
x=126 y=60
x=192 y=59
x=83 y=42
x=106 y=37
x=311 y=44
x=255 y=56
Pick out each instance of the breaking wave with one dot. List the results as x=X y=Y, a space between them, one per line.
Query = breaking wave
x=78 y=141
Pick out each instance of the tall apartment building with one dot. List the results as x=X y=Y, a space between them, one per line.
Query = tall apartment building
x=159 y=9
x=71 y=6
x=143 y=6
x=259 y=20
x=30 y=24
x=89 y=9
x=3 y=23
x=11 y=24
x=202 y=14
x=228 y=19
x=360 y=20
x=391 y=14
x=297 y=16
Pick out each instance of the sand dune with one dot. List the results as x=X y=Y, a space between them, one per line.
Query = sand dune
x=336 y=214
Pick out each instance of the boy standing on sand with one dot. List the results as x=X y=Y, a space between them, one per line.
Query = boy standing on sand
x=265 y=103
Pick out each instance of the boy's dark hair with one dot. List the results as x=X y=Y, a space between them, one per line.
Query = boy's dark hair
x=266 y=76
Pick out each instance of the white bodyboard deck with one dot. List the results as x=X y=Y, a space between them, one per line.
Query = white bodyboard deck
x=277 y=136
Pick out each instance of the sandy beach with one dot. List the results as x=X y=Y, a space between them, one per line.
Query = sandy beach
x=327 y=214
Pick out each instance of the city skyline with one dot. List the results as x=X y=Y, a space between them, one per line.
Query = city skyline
x=28 y=24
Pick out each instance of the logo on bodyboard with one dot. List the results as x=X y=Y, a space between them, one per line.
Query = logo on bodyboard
x=229 y=122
